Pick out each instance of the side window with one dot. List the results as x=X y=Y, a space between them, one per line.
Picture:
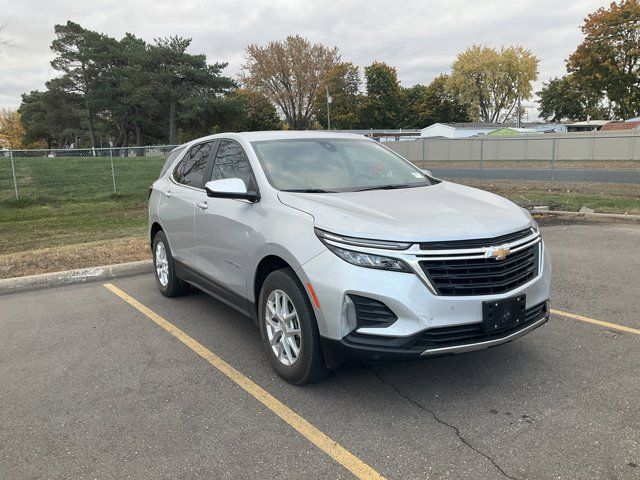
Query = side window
x=231 y=162
x=190 y=171
x=170 y=158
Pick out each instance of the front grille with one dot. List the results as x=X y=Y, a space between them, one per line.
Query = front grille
x=482 y=276
x=372 y=313
x=477 y=243
x=473 y=333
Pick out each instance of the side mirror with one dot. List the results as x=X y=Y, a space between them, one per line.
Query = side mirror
x=230 y=188
x=426 y=172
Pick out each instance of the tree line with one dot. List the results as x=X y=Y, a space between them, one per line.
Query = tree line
x=129 y=91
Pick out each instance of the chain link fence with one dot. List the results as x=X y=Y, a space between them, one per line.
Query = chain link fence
x=80 y=173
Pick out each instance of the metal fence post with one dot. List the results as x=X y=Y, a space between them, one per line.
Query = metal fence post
x=426 y=152
x=553 y=158
x=481 y=159
x=13 y=171
x=113 y=172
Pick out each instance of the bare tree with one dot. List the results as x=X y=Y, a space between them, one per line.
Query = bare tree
x=289 y=73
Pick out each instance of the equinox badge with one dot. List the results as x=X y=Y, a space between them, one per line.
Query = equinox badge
x=499 y=253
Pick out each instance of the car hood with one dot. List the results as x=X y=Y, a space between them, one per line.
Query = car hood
x=445 y=211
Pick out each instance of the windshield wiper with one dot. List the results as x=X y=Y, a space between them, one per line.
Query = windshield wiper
x=392 y=187
x=307 y=190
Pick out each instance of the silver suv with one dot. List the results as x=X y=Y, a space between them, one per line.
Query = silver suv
x=339 y=248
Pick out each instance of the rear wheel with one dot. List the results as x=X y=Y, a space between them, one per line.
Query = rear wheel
x=289 y=330
x=168 y=282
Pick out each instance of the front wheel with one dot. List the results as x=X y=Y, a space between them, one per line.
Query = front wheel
x=289 y=330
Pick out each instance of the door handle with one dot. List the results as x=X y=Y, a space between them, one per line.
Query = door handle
x=202 y=205
x=167 y=193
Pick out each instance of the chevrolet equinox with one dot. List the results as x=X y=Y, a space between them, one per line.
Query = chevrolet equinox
x=339 y=248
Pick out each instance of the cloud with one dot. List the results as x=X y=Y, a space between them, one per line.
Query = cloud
x=421 y=39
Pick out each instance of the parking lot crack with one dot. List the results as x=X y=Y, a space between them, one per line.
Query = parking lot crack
x=433 y=414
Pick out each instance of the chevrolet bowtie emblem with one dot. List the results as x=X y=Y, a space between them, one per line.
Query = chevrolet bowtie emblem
x=499 y=253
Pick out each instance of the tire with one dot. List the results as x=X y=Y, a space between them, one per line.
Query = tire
x=166 y=279
x=308 y=364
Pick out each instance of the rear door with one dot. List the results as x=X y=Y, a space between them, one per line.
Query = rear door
x=224 y=234
x=178 y=201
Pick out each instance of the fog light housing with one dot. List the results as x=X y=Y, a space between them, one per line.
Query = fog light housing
x=348 y=317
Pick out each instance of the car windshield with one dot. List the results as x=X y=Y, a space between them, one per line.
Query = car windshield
x=322 y=165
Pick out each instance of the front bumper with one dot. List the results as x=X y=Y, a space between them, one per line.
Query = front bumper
x=362 y=347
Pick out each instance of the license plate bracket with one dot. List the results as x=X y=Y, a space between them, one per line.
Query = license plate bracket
x=500 y=315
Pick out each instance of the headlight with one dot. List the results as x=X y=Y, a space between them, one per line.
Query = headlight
x=362 y=259
x=535 y=225
x=368 y=260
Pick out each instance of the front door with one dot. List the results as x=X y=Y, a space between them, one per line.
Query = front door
x=224 y=234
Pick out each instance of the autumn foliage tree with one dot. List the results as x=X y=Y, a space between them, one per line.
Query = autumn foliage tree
x=11 y=129
x=490 y=80
x=608 y=59
x=290 y=74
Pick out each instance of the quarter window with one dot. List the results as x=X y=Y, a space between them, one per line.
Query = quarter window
x=191 y=170
x=231 y=162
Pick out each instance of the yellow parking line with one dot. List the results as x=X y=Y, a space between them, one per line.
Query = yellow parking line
x=311 y=433
x=613 y=326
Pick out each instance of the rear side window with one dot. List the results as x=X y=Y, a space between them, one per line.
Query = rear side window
x=231 y=162
x=170 y=158
x=191 y=170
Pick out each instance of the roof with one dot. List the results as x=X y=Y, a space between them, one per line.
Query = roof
x=620 y=126
x=494 y=126
x=590 y=122
x=473 y=126
x=381 y=131
x=507 y=131
x=498 y=125
x=465 y=126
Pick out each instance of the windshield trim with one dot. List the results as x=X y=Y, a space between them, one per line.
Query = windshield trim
x=427 y=180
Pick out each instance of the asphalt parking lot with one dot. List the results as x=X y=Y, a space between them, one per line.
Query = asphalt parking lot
x=94 y=388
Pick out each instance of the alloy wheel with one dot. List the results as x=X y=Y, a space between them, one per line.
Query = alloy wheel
x=162 y=264
x=283 y=328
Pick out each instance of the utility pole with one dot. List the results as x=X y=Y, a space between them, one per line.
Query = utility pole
x=328 y=110
x=518 y=112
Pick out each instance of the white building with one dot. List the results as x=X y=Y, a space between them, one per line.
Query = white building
x=452 y=130
x=466 y=130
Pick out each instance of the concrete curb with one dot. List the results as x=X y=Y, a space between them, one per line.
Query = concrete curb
x=68 y=277
x=586 y=215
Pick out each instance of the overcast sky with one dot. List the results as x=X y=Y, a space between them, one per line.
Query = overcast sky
x=420 y=38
